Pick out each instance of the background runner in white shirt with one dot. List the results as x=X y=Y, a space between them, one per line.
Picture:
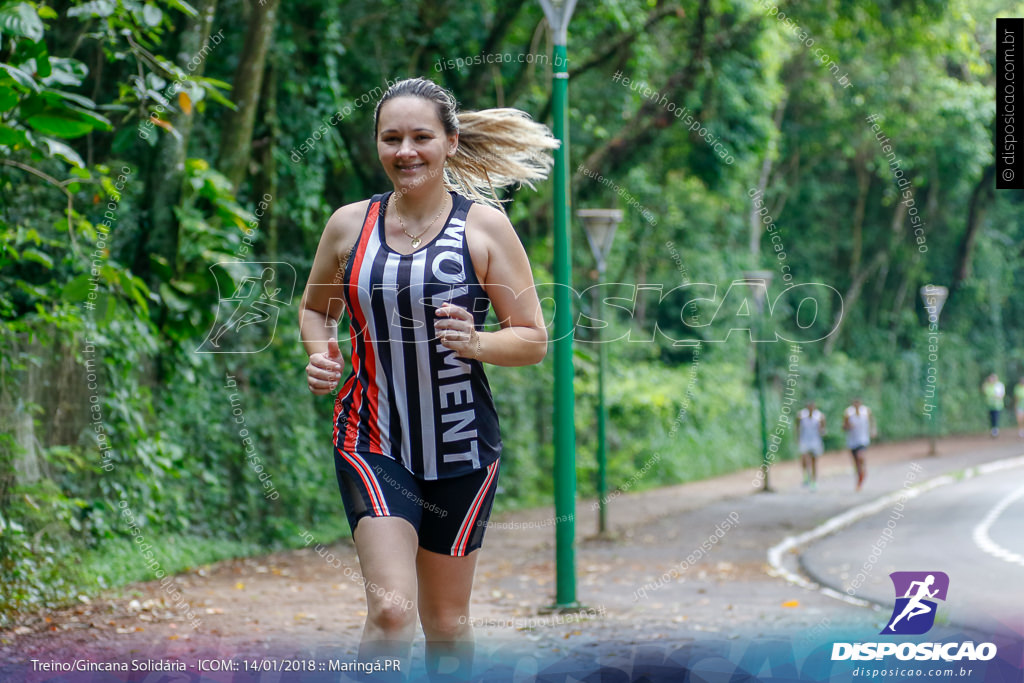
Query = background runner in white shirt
x=810 y=424
x=859 y=425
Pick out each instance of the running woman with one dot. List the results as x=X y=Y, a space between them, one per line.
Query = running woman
x=416 y=439
x=859 y=425
x=1018 y=404
x=811 y=428
x=994 y=392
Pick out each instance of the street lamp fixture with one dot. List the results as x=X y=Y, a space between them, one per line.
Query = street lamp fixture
x=558 y=14
x=757 y=278
x=600 y=226
x=934 y=297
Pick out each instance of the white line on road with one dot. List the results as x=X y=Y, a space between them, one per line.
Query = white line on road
x=985 y=542
x=793 y=543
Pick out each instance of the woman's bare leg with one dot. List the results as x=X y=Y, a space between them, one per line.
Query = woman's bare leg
x=445 y=585
x=387 y=548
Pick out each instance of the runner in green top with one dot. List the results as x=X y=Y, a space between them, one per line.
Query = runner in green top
x=994 y=392
x=1018 y=403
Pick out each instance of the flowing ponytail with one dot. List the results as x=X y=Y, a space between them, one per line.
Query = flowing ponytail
x=497 y=147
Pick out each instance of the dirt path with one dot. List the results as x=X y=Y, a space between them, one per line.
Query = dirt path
x=298 y=601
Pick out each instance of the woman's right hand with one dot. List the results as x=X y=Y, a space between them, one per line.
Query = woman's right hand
x=324 y=369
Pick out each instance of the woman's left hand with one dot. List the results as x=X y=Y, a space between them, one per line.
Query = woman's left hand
x=456 y=330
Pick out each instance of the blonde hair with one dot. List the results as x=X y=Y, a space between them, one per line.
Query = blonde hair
x=497 y=147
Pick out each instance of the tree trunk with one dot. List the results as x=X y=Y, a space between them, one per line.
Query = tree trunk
x=880 y=261
x=852 y=295
x=476 y=79
x=863 y=185
x=981 y=194
x=236 y=138
x=756 y=226
x=266 y=144
x=19 y=454
x=899 y=246
x=165 y=174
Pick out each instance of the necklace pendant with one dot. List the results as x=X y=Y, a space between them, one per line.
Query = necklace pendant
x=415 y=242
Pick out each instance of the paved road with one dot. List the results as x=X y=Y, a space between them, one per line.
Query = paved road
x=660 y=602
x=973 y=530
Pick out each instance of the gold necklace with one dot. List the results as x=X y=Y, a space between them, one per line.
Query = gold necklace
x=416 y=238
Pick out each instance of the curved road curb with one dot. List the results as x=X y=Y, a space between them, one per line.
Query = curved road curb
x=777 y=553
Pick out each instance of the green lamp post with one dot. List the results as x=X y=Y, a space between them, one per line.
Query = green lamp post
x=934 y=297
x=761 y=279
x=558 y=13
x=600 y=226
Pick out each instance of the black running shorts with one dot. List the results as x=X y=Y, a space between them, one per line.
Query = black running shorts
x=449 y=515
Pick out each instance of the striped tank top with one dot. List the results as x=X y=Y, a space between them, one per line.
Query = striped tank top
x=408 y=397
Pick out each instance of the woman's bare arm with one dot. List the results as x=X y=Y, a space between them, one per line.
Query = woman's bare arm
x=322 y=304
x=504 y=270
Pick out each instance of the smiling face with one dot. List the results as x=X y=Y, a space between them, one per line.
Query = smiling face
x=412 y=144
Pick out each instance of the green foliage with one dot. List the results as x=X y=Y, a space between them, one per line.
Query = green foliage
x=682 y=423
x=35 y=535
x=105 y=403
